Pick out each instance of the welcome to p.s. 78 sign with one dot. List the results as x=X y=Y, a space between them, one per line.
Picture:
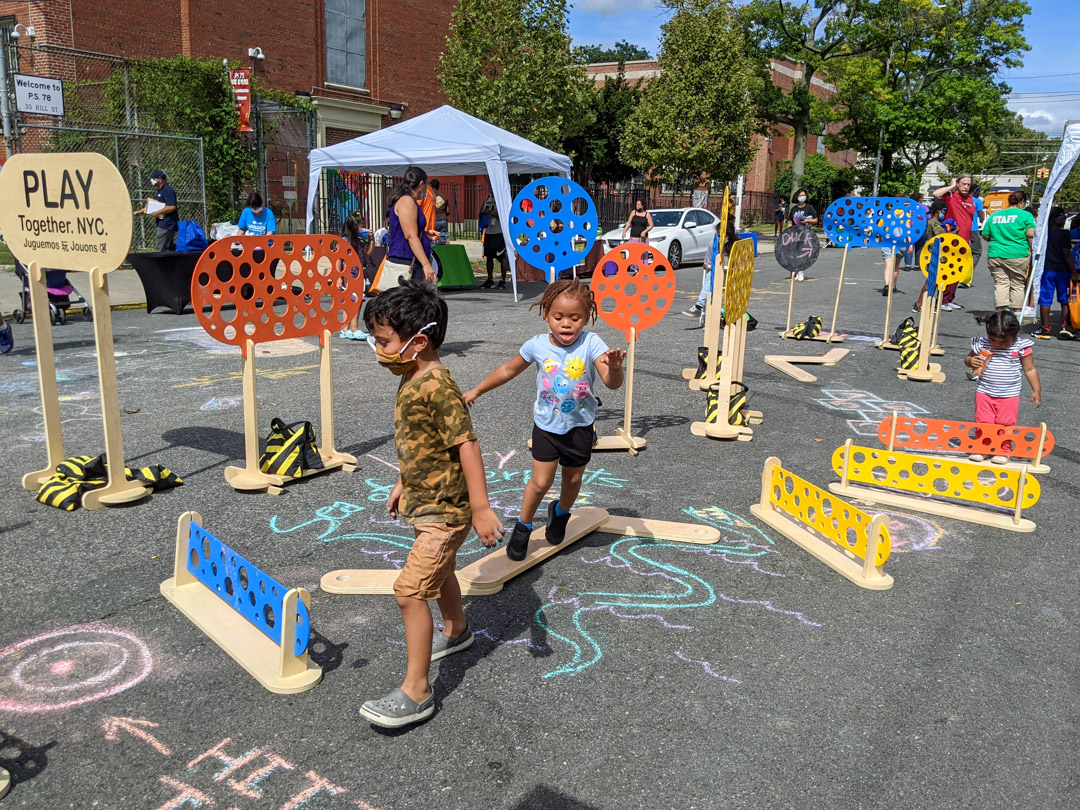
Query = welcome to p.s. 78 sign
x=66 y=211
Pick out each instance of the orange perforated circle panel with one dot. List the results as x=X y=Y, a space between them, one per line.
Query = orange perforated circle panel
x=264 y=288
x=634 y=286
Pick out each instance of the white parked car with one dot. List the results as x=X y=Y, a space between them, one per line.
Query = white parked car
x=682 y=233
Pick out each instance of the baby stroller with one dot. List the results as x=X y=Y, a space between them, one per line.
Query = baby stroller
x=60 y=291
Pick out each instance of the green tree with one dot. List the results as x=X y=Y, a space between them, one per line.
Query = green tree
x=813 y=34
x=622 y=52
x=695 y=120
x=934 y=92
x=508 y=62
x=596 y=150
x=189 y=96
x=822 y=181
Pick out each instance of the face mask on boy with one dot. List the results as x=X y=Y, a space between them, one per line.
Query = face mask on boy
x=394 y=362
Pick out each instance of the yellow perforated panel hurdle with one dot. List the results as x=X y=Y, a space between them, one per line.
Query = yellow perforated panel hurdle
x=740 y=277
x=826 y=514
x=926 y=475
x=954 y=265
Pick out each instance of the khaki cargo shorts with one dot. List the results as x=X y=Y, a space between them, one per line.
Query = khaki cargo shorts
x=432 y=559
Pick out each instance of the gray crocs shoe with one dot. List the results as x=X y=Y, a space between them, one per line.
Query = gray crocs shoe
x=442 y=646
x=397 y=709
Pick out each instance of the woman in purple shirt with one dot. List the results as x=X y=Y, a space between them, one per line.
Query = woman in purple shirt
x=409 y=242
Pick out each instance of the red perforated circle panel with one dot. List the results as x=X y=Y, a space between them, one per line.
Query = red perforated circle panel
x=634 y=286
x=278 y=287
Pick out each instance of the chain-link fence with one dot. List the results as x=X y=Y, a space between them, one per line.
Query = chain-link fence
x=100 y=115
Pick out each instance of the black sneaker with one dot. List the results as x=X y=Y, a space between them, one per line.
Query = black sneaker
x=488 y=284
x=556 y=526
x=1042 y=332
x=518 y=546
x=1065 y=333
x=502 y=284
x=694 y=311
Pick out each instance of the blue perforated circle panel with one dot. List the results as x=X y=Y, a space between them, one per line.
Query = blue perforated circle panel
x=874 y=221
x=553 y=224
x=256 y=596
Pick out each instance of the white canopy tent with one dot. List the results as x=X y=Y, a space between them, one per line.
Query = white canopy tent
x=445 y=142
x=1067 y=156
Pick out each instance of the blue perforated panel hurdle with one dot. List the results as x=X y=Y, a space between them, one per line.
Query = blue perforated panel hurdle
x=874 y=221
x=254 y=595
x=553 y=224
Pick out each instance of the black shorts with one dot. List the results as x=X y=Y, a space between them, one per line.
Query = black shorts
x=573 y=449
x=494 y=246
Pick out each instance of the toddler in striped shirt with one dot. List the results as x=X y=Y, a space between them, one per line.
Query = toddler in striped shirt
x=1001 y=360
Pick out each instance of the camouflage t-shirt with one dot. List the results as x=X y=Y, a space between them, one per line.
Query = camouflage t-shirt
x=431 y=420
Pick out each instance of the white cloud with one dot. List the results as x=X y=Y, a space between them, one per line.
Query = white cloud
x=1052 y=122
x=613 y=8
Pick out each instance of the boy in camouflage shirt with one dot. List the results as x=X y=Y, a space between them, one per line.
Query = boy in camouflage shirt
x=440 y=491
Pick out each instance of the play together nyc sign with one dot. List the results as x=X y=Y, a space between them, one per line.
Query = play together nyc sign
x=65 y=211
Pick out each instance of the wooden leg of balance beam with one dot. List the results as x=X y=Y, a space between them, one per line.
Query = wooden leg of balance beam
x=5 y=777
x=380 y=582
x=997 y=520
x=661 y=530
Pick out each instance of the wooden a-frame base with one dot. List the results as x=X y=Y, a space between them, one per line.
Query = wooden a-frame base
x=832 y=555
x=932 y=507
x=5 y=783
x=489 y=574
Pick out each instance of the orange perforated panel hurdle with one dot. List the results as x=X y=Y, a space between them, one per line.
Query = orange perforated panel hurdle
x=942 y=436
x=279 y=287
x=634 y=287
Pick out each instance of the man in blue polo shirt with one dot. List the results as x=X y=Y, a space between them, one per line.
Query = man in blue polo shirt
x=168 y=220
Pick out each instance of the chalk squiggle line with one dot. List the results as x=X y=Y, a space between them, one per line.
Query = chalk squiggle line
x=705 y=666
x=765 y=603
x=691 y=596
x=485 y=633
x=656 y=616
x=723 y=555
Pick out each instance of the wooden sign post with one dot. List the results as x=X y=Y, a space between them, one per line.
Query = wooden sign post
x=736 y=296
x=634 y=286
x=714 y=303
x=945 y=259
x=71 y=212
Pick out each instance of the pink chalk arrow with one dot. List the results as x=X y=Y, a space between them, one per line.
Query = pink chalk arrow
x=136 y=728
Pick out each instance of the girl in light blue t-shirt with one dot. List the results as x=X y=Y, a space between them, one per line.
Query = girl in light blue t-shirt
x=568 y=360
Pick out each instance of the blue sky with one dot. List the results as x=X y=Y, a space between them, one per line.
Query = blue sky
x=1051 y=30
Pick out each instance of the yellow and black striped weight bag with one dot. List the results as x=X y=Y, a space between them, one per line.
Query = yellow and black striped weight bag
x=736 y=405
x=906 y=334
x=72 y=478
x=290 y=449
x=703 y=362
x=810 y=328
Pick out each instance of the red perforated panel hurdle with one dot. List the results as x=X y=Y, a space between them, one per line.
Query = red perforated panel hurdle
x=279 y=287
x=634 y=286
x=941 y=436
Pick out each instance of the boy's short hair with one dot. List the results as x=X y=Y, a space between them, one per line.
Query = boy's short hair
x=408 y=308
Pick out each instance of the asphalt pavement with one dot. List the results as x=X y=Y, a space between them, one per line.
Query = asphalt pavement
x=621 y=673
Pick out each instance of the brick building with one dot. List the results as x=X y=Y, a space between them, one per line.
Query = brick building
x=778 y=147
x=363 y=62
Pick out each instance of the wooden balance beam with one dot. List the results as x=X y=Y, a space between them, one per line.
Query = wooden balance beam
x=490 y=573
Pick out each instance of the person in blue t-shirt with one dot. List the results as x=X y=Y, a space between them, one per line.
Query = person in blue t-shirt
x=168 y=220
x=567 y=360
x=256 y=220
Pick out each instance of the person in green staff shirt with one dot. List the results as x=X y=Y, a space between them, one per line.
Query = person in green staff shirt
x=168 y=220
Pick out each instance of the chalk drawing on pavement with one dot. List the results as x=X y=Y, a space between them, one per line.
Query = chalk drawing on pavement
x=70 y=667
x=866 y=410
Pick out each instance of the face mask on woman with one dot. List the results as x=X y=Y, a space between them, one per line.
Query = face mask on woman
x=801 y=199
